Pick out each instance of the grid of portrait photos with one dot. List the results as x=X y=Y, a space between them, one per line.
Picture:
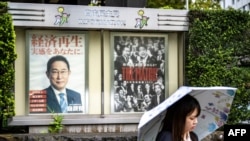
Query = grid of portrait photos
x=139 y=72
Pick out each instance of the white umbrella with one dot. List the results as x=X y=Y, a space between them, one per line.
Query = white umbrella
x=215 y=106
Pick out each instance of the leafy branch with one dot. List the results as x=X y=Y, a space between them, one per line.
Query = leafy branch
x=56 y=125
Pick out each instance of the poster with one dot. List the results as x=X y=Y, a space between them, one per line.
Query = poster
x=56 y=71
x=139 y=74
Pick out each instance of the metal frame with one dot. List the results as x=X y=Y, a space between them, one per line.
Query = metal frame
x=124 y=34
x=85 y=55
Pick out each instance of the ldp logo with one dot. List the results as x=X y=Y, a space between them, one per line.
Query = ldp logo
x=237 y=132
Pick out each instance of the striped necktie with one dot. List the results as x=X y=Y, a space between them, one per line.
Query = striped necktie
x=63 y=103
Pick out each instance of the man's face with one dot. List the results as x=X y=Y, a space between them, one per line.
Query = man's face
x=142 y=52
x=147 y=98
x=58 y=75
x=126 y=52
x=135 y=40
x=115 y=83
x=116 y=97
x=158 y=89
x=124 y=83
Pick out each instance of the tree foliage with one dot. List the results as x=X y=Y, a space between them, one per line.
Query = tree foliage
x=205 y=5
x=166 y=4
x=181 y=4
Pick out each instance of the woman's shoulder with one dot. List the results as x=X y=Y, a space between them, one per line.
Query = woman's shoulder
x=194 y=136
x=164 y=136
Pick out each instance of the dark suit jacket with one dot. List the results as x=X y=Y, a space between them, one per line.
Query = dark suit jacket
x=154 y=101
x=73 y=98
x=149 y=60
x=120 y=60
x=150 y=92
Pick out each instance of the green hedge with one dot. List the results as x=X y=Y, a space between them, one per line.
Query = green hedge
x=7 y=59
x=218 y=54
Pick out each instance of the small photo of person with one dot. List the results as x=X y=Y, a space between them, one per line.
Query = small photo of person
x=61 y=99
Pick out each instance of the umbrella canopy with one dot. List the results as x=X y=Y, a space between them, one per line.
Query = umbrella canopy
x=215 y=105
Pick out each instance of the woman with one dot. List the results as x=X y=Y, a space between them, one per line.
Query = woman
x=180 y=120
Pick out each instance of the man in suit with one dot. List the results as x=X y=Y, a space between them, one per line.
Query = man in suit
x=124 y=59
x=145 y=57
x=159 y=96
x=59 y=98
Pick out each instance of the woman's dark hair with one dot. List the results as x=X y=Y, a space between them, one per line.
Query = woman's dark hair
x=175 y=119
x=57 y=58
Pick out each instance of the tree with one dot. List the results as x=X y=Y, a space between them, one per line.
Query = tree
x=156 y=3
x=167 y=4
x=181 y=4
x=206 y=5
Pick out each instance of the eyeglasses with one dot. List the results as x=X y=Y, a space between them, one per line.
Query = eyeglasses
x=57 y=72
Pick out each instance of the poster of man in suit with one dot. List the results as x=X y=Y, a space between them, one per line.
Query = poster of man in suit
x=56 y=72
x=138 y=63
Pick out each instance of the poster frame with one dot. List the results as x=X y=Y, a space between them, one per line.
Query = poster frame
x=113 y=35
x=83 y=86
